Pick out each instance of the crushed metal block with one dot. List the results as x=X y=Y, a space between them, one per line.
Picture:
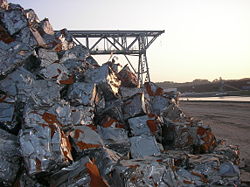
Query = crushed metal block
x=113 y=108
x=128 y=78
x=173 y=112
x=112 y=135
x=18 y=84
x=44 y=147
x=81 y=93
x=228 y=169
x=85 y=138
x=146 y=172
x=139 y=126
x=12 y=56
x=135 y=106
x=8 y=114
x=26 y=36
x=10 y=158
x=45 y=93
x=106 y=79
x=74 y=175
x=82 y=115
x=77 y=53
x=47 y=57
x=105 y=159
x=129 y=92
x=143 y=145
x=13 y=20
x=158 y=104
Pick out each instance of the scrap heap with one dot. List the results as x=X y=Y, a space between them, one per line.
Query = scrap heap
x=67 y=121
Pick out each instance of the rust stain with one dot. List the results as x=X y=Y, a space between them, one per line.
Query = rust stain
x=134 y=166
x=50 y=118
x=70 y=80
x=83 y=145
x=77 y=133
x=152 y=125
x=3 y=98
x=159 y=160
x=93 y=127
x=159 y=91
x=4 y=36
x=38 y=165
x=203 y=178
x=187 y=182
x=119 y=125
x=96 y=179
x=109 y=122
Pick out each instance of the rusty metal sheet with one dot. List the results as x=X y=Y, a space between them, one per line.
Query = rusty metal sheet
x=44 y=148
x=128 y=78
x=85 y=138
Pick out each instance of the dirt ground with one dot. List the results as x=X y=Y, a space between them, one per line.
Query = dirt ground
x=229 y=121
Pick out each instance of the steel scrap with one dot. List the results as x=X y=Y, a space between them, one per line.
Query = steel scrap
x=67 y=121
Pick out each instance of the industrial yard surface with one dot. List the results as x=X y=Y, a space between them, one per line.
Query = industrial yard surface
x=229 y=121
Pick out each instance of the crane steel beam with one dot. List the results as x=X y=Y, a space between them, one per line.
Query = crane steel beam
x=121 y=42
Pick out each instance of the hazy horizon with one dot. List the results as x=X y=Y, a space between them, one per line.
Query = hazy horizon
x=204 y=39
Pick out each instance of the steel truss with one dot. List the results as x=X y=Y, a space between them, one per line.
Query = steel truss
x=122 y=42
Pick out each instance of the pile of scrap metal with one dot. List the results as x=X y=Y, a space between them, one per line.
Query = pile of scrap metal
x=67 y=121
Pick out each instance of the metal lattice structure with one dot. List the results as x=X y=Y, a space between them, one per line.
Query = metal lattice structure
x=122 y=42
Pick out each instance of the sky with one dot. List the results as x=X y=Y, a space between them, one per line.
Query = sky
x=203 y=39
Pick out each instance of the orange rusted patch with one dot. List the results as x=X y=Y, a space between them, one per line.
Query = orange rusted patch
x=109 y=122
x=3 y=98
x=96 y=179
x=38 y=165
x=83 y=145
x=93 y=127
x=134 y=166
x=187 y=182
x=159 y=91
x=70 y=80
x=159 y=160
x=4 y=36
x=201 y=131
x=152 y=125
x=50 y=118
x=203 y=178
x=119 y=125
x=151 y=115
x=77 y=133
